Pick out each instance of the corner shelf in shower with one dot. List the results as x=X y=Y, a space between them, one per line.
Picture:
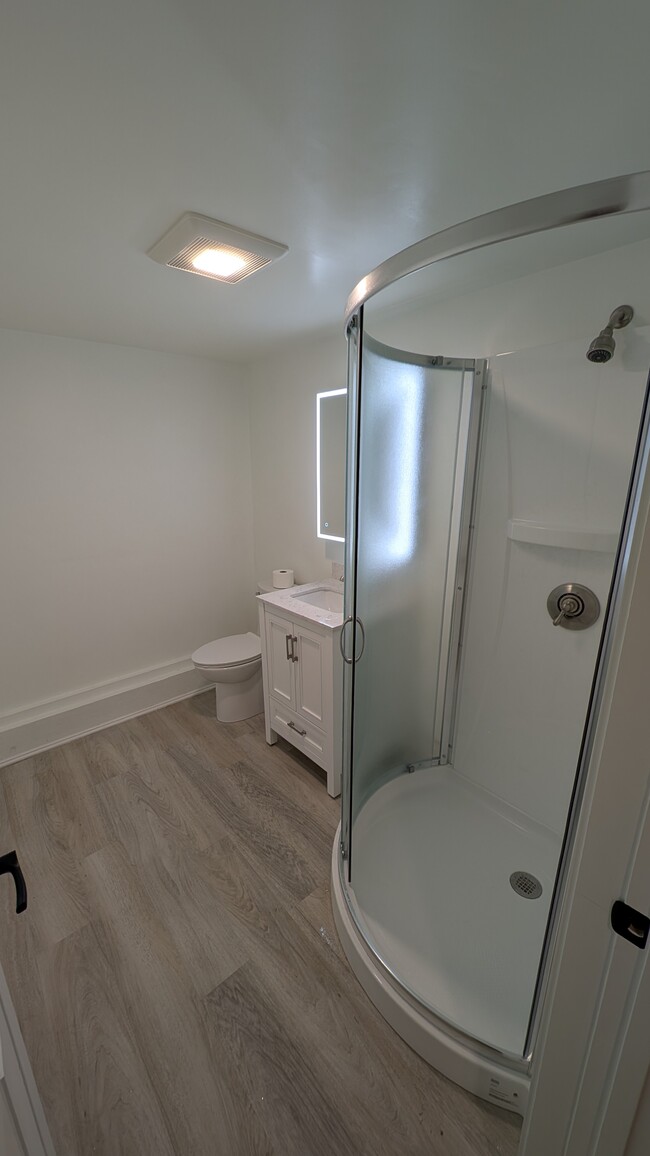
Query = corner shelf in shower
x=546 y=534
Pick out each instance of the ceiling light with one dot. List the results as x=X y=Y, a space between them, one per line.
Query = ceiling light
x=211 y=249
x=218 y=262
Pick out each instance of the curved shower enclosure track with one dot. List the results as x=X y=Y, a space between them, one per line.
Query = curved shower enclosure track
x=485 y=558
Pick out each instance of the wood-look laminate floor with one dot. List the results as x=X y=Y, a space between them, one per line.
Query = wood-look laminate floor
x=177 y=975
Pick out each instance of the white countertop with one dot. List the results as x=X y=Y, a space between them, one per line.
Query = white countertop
x=286 y=600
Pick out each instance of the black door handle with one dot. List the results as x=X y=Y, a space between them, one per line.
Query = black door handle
x=9 y=865
x=633 y=925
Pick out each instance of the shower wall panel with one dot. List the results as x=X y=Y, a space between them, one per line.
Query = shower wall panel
x=558 y=446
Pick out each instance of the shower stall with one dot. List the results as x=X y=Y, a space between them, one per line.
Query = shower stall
x=490 y=502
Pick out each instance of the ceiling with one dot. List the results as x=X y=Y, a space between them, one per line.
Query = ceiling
x=344 y=130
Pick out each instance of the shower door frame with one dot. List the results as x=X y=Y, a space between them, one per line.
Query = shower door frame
x=354 y=332
x=613 y=197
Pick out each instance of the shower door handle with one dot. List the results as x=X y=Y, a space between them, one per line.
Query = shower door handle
x=629 y=923
x=355 y=658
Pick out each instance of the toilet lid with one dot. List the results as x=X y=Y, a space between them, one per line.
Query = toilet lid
x=228 y=651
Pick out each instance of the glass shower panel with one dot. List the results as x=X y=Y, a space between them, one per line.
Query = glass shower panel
x=412 y=418
x=440 y=859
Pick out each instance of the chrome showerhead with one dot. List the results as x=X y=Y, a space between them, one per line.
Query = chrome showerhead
x=602 y=347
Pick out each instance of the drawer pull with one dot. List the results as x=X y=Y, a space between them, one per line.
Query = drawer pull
x=296 y=729
x=293 y=649
x=288 y=641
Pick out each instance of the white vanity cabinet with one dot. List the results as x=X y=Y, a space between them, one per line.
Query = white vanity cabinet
x=302 y=673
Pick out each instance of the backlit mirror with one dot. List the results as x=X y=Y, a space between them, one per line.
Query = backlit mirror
x=330 y=464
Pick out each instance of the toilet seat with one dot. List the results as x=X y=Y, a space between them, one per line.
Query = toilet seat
x=234 y=650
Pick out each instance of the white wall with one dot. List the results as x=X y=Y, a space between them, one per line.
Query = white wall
x=283 y=447
x=125 y=520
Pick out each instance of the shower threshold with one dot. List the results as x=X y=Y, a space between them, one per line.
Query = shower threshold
x=431 y=896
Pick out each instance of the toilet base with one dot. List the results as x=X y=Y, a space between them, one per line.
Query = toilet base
x=237 y=701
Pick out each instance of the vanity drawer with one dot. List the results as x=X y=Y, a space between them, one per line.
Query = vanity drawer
x=302 y=734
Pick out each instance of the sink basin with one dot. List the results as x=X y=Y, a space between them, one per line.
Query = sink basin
x=323 y=598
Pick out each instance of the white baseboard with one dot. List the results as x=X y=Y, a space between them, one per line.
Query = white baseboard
x=59 y=720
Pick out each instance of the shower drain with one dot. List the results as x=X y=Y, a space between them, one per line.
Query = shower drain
x=525 y=884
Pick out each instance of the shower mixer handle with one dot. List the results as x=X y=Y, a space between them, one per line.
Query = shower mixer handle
x=569 y=608
x=573 y=606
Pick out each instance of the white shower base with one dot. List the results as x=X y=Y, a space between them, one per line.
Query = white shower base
x=431 y=860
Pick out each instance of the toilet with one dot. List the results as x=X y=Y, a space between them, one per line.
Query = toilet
x=235 y=665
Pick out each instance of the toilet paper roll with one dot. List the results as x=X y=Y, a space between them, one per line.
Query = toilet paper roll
x=282 y=579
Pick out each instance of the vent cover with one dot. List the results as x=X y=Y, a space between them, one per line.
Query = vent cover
x=525 y=885
x=214 y=250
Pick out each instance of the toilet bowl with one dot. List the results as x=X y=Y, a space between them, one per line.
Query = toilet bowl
x=235 y=665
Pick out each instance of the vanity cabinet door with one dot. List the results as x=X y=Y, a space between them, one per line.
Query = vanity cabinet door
x=279 y=634
x=309 y=675
x=302 y=671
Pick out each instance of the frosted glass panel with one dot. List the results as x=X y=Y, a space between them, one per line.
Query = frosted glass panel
x=410 y=412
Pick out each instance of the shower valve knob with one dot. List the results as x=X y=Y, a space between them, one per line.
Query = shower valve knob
x=573 y=606
x=570 y=607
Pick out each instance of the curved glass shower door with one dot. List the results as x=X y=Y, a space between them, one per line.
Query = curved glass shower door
x=414 y=428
